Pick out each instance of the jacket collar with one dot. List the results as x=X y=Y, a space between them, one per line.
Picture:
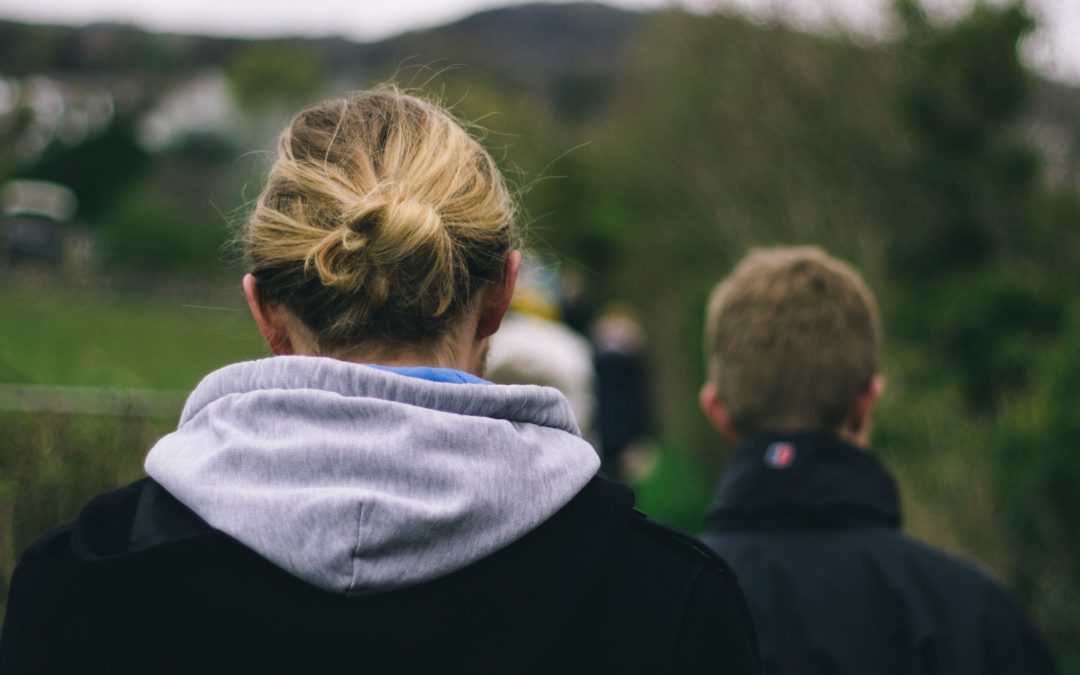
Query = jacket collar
x=803 y=481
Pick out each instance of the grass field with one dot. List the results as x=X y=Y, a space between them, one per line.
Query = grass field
x=95 y=339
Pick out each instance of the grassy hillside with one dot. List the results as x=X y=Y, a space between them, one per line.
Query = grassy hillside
x=54 y=337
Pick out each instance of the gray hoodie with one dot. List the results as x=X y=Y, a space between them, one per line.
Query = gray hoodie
x=360 y=480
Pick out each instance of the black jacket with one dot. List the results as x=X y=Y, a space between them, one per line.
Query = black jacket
x=140 y=584
x=811 y=526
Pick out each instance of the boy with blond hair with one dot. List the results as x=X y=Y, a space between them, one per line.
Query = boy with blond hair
x=807 y=515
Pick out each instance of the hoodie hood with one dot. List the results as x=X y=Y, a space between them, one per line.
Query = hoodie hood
x=361 y=480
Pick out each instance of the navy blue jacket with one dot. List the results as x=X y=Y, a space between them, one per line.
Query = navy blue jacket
x=810 y=524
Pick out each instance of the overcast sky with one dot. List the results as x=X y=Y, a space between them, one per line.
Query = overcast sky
x=1054 y=50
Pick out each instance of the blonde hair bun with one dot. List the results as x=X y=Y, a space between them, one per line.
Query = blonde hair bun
x=374 y=229
x=380 y=220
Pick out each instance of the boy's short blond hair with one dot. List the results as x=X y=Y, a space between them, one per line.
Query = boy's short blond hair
x=792 y=337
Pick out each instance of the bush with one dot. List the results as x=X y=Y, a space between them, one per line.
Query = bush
x=150 y=231
x=1038 y=470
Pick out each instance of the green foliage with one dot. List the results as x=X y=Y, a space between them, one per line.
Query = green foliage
x=967 y=84
x=13 y=125
x=984 y=327
x=578 y=220
x=270 y=73
x=977 y=255
x=149 y=230
x=99 y=169
x=1037 y=476
x=677 y=490
x=24 y=52
x=970 y=237
x=972 y=174
x=579 y=97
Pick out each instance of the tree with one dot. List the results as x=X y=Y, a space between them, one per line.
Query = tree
x=963 y=245
x=270 y=73
x=99 y=169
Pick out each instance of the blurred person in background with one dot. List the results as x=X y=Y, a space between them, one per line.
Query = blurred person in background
x=807 y=515
x=533 y=346
x=364 y=499
x=575 y=299
x=625 y=418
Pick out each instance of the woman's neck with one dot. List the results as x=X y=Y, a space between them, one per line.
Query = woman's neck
x=460 y=350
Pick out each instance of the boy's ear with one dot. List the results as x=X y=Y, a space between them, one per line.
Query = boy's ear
x=270 y=319
x=497 y=297
x=716 y=412
x=858 y=422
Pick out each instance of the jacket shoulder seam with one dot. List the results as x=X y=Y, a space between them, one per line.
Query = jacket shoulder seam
x=684 y=541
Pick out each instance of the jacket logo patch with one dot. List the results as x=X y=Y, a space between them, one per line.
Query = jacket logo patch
x=779 y=455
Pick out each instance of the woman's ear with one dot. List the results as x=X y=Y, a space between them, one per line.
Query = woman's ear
x=270 y=319
x=497 y=297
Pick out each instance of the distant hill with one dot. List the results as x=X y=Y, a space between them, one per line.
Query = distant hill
x=523 y=42
x=527 y=45
x=562 y=54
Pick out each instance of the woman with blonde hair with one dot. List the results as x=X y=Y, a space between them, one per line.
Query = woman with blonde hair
x=364 y=500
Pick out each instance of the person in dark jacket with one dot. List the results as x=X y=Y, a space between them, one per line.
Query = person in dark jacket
x=364 y=501
x=807 y=515
x=624 y=408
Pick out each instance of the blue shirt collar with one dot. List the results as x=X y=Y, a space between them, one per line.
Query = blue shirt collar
x=432 y=374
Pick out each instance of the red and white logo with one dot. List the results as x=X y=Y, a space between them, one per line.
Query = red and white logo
x=779 y=455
